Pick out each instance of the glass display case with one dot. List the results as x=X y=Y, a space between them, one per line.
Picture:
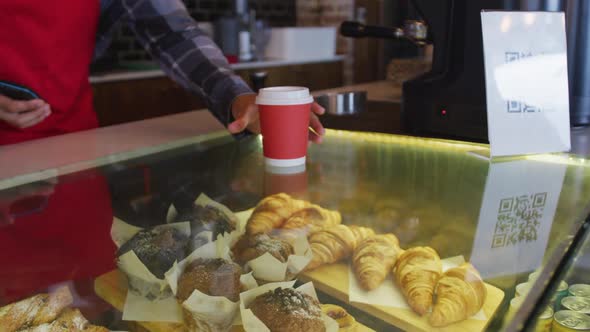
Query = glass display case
x=118 y=241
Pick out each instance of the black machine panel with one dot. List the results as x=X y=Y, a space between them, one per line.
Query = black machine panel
x=450 y=100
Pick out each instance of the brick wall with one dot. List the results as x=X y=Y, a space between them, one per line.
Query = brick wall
x=276 y=12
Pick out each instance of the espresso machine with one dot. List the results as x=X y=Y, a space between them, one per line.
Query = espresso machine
x=449 y=100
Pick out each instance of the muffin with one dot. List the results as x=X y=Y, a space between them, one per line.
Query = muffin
x=253 y=246
x=206 y=218
x=214 y=277
x=157 y=248
x=286 y=309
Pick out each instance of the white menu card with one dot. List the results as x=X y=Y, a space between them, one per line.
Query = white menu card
x=525 y=57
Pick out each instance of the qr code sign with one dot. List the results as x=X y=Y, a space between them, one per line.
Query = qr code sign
x=519 y=219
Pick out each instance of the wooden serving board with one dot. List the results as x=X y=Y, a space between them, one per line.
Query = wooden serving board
x=333 y=280
x=112 y=287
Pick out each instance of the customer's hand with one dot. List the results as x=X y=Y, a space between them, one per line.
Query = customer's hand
x=245 y=112
x=23 y=114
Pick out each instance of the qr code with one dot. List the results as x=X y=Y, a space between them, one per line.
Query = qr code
x=512 y=56
x=518 y=107
x=513 y=106
x=519 y=219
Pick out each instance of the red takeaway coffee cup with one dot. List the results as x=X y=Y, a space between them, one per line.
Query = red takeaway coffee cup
x=284 y=120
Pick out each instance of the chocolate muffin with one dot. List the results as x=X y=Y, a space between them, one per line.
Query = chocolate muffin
x=250 y=247
x=206 y=218
x=157 y=248
x=214 y=277
x=286 y=309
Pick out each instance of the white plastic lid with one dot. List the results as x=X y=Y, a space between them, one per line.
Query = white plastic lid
x=284 y=95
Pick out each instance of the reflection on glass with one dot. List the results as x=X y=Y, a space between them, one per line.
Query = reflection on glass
x=516 y=216
x=57 y=234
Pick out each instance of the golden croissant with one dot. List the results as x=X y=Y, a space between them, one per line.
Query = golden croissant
x=272 y=212
x=361 y=233
x=373 y=259
x=332 y=244
x=312 y=219
x=460 y=293
x=416 y=272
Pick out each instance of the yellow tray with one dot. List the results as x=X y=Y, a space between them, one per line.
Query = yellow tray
x=112 y=287
x=333 y=280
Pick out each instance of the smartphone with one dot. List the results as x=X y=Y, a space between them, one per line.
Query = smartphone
x=16 y=91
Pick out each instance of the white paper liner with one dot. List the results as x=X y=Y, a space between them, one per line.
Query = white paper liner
x=138 y=307
x=251 y=323
x=389 y=295
x=121 y=231
x=240 y=224
x=270 y=269
x=171 y=214
x=243 y=216
x=217 y=313
x=141 y=279
x=204 y=200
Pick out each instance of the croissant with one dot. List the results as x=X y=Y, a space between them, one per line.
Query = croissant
x=272 y=212
x=416 y=272
x=70 y=320
x=311 y=219
x=36 y=310
x=332 y=244
x=361 y=233
x=373 y=259
x=460 y=293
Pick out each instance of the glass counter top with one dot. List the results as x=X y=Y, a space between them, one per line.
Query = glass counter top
x=508 y=219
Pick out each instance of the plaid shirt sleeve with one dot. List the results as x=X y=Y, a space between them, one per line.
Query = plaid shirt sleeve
x=184 y=52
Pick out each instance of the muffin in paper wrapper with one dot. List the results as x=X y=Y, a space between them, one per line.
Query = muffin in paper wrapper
x=141 y=280
x=203 y=312
x=204 y=201
x=266 y=268
x=251 y=323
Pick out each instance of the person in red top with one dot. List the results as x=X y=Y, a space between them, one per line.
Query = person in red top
x=48 y=46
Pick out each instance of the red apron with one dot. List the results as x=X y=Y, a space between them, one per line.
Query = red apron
x=48 y=46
